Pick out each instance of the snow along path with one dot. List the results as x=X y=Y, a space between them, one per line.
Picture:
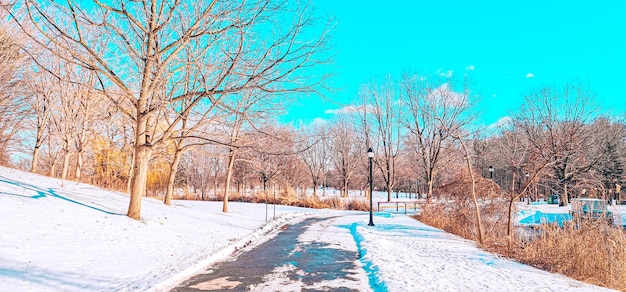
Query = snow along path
x=397 y=254
x=403 y=254
x=69 y=236
x=76 y=237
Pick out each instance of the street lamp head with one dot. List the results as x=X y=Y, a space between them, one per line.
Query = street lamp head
x=370 y=153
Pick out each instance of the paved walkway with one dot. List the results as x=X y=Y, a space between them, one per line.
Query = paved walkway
x=339 y=252
x=307 y=256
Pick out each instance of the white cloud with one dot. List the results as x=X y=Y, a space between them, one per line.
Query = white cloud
x=444 y=95
x=469 y=68
x=319 y=122
x=349 y=109
x=530 y=75
x=446 y=74
x=500 y=124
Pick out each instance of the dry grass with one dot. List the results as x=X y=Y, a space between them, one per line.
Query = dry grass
x=459 y=218
x=290 y=199
x=591 y=251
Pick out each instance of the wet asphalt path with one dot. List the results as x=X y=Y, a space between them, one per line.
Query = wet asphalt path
x=312 y=255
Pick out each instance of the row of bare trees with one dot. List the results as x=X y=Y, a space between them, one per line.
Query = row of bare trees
x=153 y=96
x=11 y=87
x=170 y=73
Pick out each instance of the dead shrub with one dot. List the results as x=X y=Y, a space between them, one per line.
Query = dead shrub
x=358 y=205
x=290 y=199
x=334 y=203
x=458 y=217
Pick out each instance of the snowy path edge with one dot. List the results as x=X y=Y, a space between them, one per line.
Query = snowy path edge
x=222 y=254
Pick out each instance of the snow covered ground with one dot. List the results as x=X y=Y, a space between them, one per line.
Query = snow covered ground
x=77 y=238
x=407 y=255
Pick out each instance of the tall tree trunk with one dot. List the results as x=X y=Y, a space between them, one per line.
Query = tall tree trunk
x=53 y=168
x=79 y=164
x=429 y=179
x=479 y=224
x=139 y=180
x=215 y=187
x=229 y=173
x=66 y=165
x=34 y=165
x=565 y=199
x=38 y=143
x=172 y=177
x=204 y=187
x=131 y=173
x=513 y=183
x=509 y=225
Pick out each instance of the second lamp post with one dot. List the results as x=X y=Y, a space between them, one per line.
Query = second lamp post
x=370 y=155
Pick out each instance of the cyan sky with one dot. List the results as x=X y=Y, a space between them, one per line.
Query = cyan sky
x=510 y=45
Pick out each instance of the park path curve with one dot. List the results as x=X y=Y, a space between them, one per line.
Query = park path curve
x=314 y=254
x=340 y=252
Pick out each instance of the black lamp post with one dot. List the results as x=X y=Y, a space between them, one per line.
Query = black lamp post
x=491 y=172
x=418 y=193
x=370 y=155
x=528 y=192
x=264 y=183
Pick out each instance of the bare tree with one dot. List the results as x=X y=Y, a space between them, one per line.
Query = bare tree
x=12 y=62
x=344 y=152
x=384 y=127
x=193 y=121
x=435 y=111
x=249 y=111
x=137 y=49
x=203 y=164
x=449 y=110
x=513 y=147
x=216 y=170
x=467 y=155
x=40 y=88
x=268 y=152
x=316 y=154
x=610 y=168
x=296 y=174
x=555 y=122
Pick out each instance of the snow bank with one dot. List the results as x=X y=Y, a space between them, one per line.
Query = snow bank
x=76 y=237
x=406 y=255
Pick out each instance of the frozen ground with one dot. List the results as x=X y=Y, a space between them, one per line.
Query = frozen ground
x=77 y=238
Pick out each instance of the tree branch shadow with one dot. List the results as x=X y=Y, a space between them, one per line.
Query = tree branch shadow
x=41 y=193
